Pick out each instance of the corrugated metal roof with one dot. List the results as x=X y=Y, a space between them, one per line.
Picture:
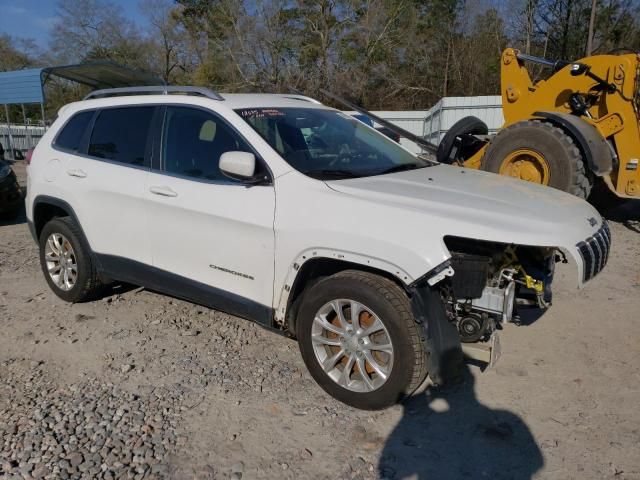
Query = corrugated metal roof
x=25 y=86
x=21 y=86
x=104 y=75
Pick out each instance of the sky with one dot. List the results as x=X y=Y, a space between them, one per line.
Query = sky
x=34 y=18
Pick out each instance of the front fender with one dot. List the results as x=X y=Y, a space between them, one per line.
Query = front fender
x=595 y=148
x=356 y=259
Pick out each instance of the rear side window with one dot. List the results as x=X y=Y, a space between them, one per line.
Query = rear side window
x=70 y=136
x=120 y=134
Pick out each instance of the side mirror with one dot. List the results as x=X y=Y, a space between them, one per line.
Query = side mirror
x=238 y=165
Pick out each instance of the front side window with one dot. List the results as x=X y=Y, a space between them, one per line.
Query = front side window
x=193 y=141
x=71 y=134
x=327 y=144
x=120 y=134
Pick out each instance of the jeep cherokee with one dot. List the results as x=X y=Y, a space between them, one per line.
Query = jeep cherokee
x=384 y=265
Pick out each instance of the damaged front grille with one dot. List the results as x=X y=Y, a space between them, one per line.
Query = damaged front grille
x=595 y=252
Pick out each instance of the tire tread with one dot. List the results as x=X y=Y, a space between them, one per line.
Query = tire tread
x=92 y=285
x=581 y=182
x=391 y=292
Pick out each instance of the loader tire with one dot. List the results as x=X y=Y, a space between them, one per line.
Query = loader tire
x=539 y=152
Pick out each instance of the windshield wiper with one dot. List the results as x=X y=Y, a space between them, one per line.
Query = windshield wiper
x=428 y=157
x=321 y=174
x=400 y=168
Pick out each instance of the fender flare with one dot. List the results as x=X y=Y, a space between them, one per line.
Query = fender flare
x=56 y=202
x=596 y=150
x=331 y=254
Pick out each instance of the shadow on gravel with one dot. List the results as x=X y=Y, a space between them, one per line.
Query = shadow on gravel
x=616 y=209
x=448 y=434
x=627 y=213
x=526 y=316
x=115 y=288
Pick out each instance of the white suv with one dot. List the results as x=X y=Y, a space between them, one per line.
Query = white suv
x=384 y=265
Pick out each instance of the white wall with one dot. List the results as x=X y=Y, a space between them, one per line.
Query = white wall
x=449 y=110
x=23 y=138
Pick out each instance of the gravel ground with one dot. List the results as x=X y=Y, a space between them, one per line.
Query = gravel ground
x=139 y=385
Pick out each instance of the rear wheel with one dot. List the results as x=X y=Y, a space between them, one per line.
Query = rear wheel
x=66 y=262
x=359 y=339
x=541 y=153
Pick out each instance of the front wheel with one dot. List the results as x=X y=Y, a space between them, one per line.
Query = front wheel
x=360 y=341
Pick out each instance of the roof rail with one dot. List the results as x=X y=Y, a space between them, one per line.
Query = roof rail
x=296 y=96
x=158 y=90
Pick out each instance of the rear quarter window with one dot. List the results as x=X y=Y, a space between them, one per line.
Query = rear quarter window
x=71 y=134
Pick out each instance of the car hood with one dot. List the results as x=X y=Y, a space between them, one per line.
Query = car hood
x=476 y=204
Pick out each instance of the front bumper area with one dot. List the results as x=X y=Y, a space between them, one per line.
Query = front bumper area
x=594 y=252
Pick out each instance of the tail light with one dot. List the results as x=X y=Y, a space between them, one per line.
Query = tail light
x=28 y=156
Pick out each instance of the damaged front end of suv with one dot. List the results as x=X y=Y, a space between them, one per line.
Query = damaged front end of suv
x=482 y=287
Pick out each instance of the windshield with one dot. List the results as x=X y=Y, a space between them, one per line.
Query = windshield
x=327 y=144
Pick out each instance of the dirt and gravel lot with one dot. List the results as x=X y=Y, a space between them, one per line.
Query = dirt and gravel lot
x=139 y=385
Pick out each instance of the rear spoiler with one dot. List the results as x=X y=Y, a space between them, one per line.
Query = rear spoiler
x=430 y=147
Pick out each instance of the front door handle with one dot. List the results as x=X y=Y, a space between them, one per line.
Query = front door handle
x=163 y=191
x=77 y=173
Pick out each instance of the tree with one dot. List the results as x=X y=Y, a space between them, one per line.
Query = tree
x=95 y=30
x=398 y=54
x=170 y=51
x=16 y=53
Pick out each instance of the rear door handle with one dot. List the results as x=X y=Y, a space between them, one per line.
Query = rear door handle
x=77 y=173
x=163 y=191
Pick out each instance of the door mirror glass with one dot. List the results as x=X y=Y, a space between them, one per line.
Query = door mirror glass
x=238 y=165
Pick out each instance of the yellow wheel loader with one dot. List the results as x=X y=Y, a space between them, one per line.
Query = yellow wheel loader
x=580 y=124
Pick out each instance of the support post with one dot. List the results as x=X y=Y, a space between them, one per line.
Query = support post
x=6 y=113
x=44 y=122
x=27 y=132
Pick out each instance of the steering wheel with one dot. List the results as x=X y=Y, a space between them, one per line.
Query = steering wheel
x=344 y=155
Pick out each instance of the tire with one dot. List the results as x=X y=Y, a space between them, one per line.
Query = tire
x=467 y=126
x=566 y=166
x=382 y=298
x=86 y=284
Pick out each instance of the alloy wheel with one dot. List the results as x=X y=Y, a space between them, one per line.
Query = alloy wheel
x=352 y=345
x=61 y=261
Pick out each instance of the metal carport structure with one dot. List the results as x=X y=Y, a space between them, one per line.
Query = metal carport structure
x=26 y=87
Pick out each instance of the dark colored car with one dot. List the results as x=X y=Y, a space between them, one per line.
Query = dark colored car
x=10 y=193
